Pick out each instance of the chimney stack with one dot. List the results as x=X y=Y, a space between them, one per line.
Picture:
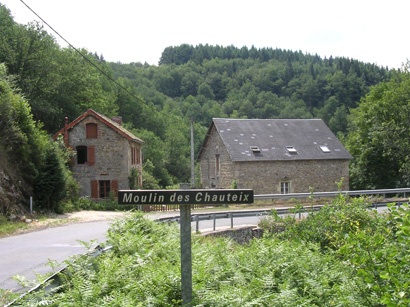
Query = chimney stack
x=117 y=119
x=65 y=131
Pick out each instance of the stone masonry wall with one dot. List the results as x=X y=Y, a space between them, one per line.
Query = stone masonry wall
x=241 y=235
x=209 y=175
x=112 y=155
x=265 y=177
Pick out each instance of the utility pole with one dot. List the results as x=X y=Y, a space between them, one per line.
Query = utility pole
x=192 y=156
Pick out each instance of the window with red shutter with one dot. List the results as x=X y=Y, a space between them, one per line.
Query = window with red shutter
x=94 y=189
x=105 y=189
x=91 y=155
x=132 y=155
x=114 y=187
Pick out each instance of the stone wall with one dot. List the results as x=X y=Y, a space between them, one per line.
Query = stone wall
x=265 y=177
x=241 y=235
x=112 y=155
x=209 y=176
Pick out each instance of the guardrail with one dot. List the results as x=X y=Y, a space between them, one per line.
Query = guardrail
x=383 y=192
x=52 y=280
x=282 y=211
x=252 y=213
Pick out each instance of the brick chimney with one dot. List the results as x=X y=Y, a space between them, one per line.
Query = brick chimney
x=117 y=119
x=65 y=131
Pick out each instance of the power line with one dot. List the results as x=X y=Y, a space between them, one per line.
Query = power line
x=96 y=67
x=84 y=56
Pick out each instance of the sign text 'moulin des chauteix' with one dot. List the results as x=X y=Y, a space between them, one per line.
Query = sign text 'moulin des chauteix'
x=187 y=197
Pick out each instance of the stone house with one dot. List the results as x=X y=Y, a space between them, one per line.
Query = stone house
x=104 y=153
x=273 y=156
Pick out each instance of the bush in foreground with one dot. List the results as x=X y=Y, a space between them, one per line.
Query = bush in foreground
x=375 y=246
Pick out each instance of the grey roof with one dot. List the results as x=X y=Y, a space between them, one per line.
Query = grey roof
x=279 y=139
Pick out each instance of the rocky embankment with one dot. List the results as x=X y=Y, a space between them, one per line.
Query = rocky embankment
x=11 y=193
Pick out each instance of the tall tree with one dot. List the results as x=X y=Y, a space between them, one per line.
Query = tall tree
x=41 y=163
x=379 y=137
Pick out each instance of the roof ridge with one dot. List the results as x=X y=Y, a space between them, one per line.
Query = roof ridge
x=259 y=119
x=109 y=122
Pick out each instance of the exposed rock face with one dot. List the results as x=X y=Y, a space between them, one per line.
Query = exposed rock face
x=12 y=189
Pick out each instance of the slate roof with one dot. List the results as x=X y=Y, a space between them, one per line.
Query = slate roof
x=278 y=139
x=110 y=123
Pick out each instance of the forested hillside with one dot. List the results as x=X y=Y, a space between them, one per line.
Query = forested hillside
x=210 y=81
x=190 y=82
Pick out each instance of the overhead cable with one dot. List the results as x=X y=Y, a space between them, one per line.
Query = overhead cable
x=84 y=56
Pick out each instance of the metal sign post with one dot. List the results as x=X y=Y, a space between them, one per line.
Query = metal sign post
x=186 y=257
x=185 y=198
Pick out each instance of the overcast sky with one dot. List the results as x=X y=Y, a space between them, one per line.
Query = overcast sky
x=138 y=31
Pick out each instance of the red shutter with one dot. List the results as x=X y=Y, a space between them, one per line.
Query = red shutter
x=132 y=155
x=91 y=155
x=140 y=180
x=91 y=130
x=114 y=187
x=94 y=189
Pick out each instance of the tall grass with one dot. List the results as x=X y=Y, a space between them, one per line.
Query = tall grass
x=7 y=227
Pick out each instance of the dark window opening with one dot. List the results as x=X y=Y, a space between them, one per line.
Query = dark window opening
x=217 y=164
x=135 y=156
x=104 y=188
x=81 y=154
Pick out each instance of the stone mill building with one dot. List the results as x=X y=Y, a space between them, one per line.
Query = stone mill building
x=273 y=156
x=104 y=153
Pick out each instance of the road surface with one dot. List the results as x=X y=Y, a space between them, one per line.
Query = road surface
x=28 y=253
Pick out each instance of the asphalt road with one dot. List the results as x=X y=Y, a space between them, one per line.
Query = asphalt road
x=29 y=253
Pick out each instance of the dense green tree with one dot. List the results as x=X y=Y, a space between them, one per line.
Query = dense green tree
x=189 y=83
x=50 y=184
x=154 y=151
x=42 y=164
x=78 y=87
x=177 y=143
x=379 y=137
x=205 y=90
x=338 y=122
x=167 y=79
x=56 y=82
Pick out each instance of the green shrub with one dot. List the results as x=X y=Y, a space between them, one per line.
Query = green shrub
x=332 y=223
x=381 y=257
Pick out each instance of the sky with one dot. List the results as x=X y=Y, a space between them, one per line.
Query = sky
x=138 y=31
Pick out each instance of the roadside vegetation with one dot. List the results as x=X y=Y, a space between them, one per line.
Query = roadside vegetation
x=342 y=255
x=11 y=227
x=37 y=222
